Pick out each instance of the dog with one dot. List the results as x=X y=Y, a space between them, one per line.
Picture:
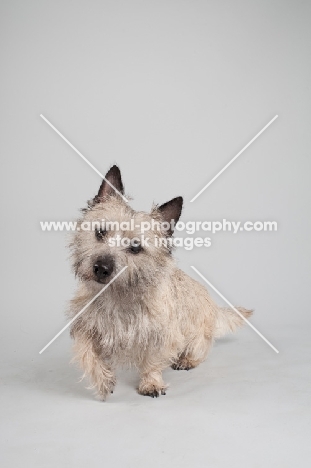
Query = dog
x=152 y=315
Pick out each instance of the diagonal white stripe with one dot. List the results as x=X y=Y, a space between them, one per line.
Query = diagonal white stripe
x=82 y=310
x=235 y=310
x=83 y=157
x=233 y=159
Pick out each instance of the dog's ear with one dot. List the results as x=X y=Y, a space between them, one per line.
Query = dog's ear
x=171 y=210
x=111 y=184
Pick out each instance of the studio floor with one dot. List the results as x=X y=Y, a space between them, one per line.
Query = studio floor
x=246 y=406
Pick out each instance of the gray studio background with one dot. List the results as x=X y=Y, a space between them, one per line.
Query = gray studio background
x=170 y=91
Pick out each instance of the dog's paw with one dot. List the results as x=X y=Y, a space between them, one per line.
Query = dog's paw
x=178 y=366
x=184 y=364
x=151 y=390
x=102 y=396
x=106 y=390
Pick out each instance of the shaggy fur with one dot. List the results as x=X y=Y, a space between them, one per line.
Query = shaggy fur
x=153 y=315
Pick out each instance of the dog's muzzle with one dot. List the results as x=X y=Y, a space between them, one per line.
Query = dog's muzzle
x=103 y=268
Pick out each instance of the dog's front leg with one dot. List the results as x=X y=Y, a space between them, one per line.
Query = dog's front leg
x=151 y=383
x=99 y=373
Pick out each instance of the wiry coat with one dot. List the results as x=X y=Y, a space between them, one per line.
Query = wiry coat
x=153 y=315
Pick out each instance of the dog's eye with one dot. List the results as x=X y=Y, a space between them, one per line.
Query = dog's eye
x=135 y=247
x=100 y=234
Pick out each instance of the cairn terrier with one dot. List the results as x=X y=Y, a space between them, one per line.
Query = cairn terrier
x=152 y=315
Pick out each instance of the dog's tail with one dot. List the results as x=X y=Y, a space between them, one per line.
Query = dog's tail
x=228 y=320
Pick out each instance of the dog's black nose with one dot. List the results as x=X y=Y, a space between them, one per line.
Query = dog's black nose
x=103 y=267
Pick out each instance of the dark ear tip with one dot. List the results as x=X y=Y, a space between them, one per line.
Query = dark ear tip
x=178 y=200
x=114 y=170
x=112 y=182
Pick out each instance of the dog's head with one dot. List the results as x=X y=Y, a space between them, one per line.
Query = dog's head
x=111 y=236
